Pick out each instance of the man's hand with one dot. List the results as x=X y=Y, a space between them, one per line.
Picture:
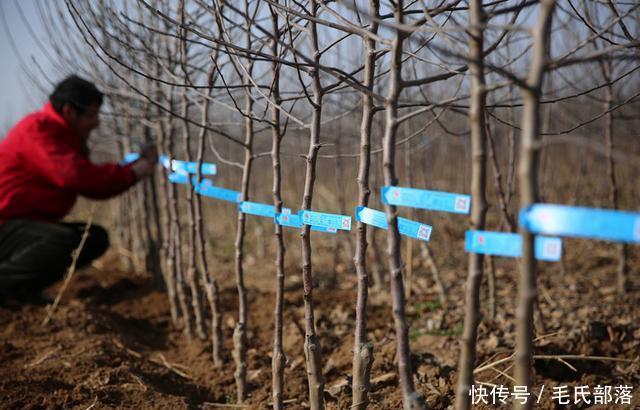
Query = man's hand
x=149 y=152
x=144 y=167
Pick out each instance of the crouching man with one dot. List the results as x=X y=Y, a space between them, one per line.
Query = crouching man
x=44 y=166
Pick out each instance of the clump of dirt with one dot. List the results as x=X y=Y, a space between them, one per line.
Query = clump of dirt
x=111 y=343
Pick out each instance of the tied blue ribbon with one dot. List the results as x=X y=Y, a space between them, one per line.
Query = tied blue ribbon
x=424 y=199
x=406 y=227
x=510 y=245
x=325 y=220
x=582 y=222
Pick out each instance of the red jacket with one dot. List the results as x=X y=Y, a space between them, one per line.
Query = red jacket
x=42 y=170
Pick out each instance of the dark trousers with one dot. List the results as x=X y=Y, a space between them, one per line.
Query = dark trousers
x=34 y=255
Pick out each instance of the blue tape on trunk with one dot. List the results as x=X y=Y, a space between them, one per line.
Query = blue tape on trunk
x=182 y=178
x=192 y=167
x=406 y=227
x=129 y=158
x=561 y=220
x=510 y=245
x=164 y=161
x=289 y=220
x=218 y=193
x=255 y=208
x=259 y=209
x=423 y=199
x=293 y=221
x=324 y=220
x=188 y=167
x=323 y=229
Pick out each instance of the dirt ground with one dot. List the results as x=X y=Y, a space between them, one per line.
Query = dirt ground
x=111 y=343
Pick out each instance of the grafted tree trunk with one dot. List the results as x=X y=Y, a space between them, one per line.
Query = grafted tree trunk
x=408 y=283
x=377 y=266
x=478 y=204
x=209 y=280
x=278 y=359
x=410 y=398
x=240 y=331
x=430 y=261
x=135 y=196
x=528 y=170
x=123 y=218
x=153 y=231
x=166 y=252
x=622 y=249
x=312 y=350
x=175 y=266
x=362 y=348
x=192 y=273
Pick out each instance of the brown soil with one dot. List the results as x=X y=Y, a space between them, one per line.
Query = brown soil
x=112 y=345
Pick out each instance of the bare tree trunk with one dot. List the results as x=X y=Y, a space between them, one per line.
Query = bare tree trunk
x=362 y=348
x=511 y=164
x=210 y=283
x=429 y=260
x=491 y=284
x=338 y=247
x=409 y=264
x=528 y=171
x=477 y=20
x=506 y=217
x=151 y=211
x=123 y=218
x=141 y=251
x=410 y=398
x=312 y=350
x=621 y=273
x=278 y=360
x=175 y=253
x=137 y=243
x=240 y=332
x=193 y=277
x=167 y=240
x=377 y=267
x=192 y=273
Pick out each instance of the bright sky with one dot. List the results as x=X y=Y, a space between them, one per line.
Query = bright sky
x=18 y=95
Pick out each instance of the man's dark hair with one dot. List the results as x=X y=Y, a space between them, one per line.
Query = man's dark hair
x=77 y=92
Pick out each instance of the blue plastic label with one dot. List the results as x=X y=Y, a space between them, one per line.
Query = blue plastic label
x=290 y=220
x=406 y=227
x=423 y=199
x=178 y=178
x=293 y=221
x=510 y=245
x=187 y=167
x=164 y=161
x=192 y=167
x=323 y=229
x=207 y=189
x=182 y=178
x=324 y=220
x=129 y=158
x=562 y=220
x=256 y=208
